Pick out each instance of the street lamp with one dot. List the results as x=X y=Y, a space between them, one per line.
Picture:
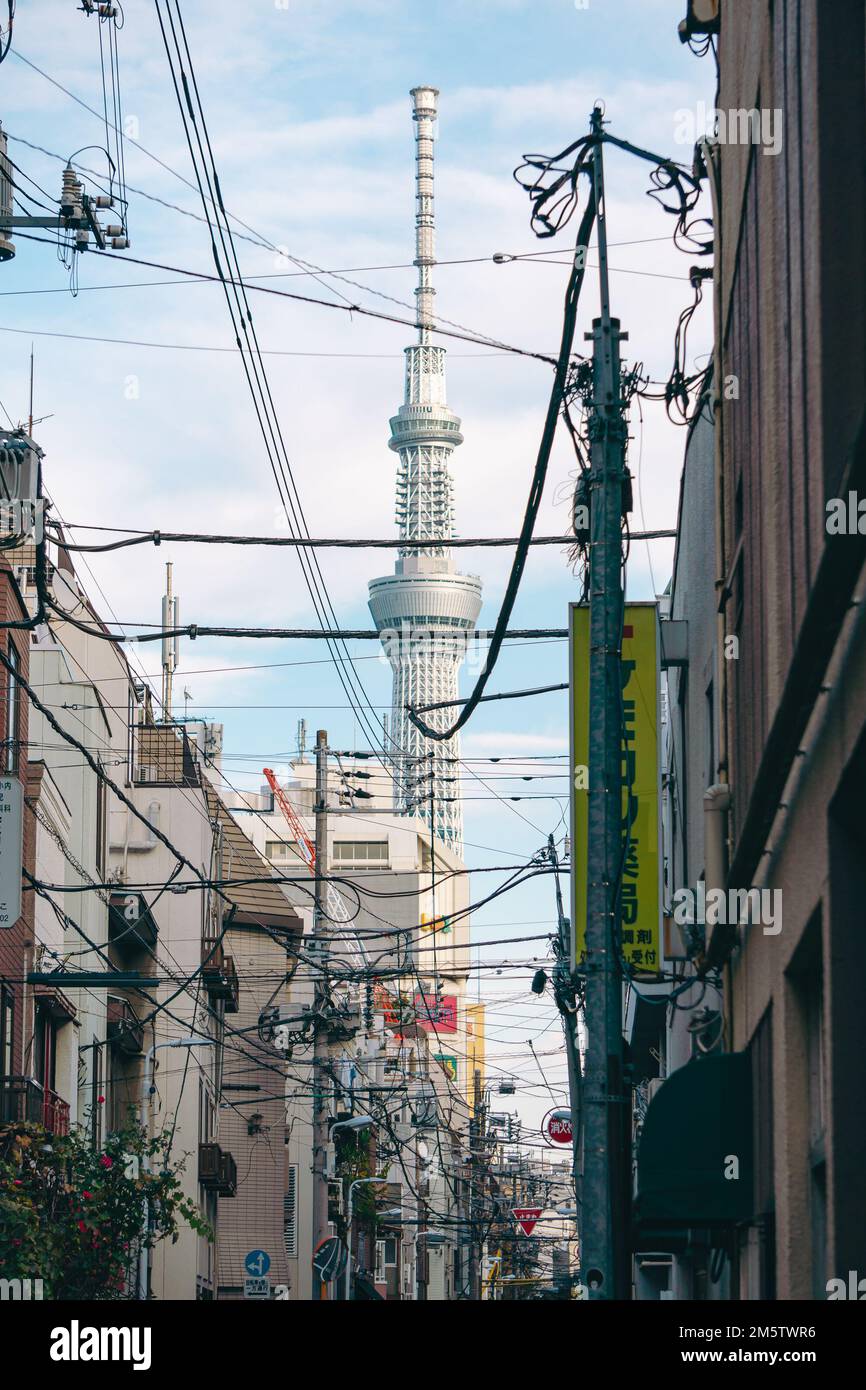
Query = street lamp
x=147 y=1089
x=349 y=1203
x=356 y=1122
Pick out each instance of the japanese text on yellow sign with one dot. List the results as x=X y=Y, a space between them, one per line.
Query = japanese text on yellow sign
x=640 y=886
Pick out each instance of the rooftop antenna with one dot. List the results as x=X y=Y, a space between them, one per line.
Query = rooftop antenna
x=187 y=696
x=30 y=417
x=170 y=644
x=302 y=740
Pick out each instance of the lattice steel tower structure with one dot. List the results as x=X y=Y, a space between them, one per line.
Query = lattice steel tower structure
x=425 y=611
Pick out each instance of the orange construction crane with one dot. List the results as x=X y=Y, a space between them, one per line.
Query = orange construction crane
x=305 y=844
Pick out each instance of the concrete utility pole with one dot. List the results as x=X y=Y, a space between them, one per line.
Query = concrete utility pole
x=475 y=1130
x=564 y=993
x=321 y=1054
x=603 y=1257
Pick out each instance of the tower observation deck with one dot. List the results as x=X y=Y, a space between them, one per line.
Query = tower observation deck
x=425 y=611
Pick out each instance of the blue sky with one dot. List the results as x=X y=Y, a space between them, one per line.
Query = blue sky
x=310 y=119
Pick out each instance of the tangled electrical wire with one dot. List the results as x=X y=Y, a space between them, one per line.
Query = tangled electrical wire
x=552 y=184
x=678 y=390
x=6 y=39
x=578 y=393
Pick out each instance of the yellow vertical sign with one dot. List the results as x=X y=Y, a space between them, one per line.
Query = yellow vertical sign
x=640 y=890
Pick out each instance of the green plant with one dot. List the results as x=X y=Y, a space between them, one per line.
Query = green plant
x=72 y=1215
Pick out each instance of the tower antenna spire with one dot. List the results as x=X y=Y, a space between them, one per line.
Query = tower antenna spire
x=425 y=610
x=424 y=115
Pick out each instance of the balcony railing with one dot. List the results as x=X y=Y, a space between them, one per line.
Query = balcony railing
x=124 y=1030
x=162 y=757
x=217 y=1170
x=55 y=1113
x=23 y=1100
x=20 y=1100
x=219 y=975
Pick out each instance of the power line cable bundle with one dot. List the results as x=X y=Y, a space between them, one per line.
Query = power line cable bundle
x=569 y=324
x=225 y=259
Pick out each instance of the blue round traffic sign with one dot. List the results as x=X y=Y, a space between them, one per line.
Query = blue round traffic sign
x=257 y=1263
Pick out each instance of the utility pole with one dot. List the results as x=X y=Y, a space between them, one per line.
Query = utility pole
x=564 y=993
x=475 y=1205
x=320 y=1003
x=603 y=1211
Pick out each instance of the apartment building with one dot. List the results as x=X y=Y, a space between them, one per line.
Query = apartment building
x=682 y=1261
x=779 y=1098
x=215 y=1072
x=21 y=1094
x=420 y=940
x=127 y=894
x=792 y=307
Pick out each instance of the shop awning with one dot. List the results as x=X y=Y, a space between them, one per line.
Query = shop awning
x=695 y=1155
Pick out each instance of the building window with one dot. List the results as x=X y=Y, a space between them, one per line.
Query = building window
x=280 y=849
x=7 y=1029
x=10 y=755
x=205 y=1115
x=815 y=1059
x=386 y=1258
x=96 y=1104
x=290 y=1212
x=45 y=1047
x=101 y=791
x=361 y=852
x=764 y=1262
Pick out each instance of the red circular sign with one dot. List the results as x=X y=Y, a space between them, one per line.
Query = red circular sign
x=558 y=1127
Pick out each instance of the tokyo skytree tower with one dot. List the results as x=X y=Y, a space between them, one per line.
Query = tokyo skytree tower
x=425 y=611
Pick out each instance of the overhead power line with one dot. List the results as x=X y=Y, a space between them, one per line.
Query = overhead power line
x=557 y=396
x=503 y=695
x=156 y=537
x=228 y=281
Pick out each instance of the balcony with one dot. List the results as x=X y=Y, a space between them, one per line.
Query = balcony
x=124 y=1030
x=162 y=757
x=217 y=1170
x=20 y=1100
x=131 y=925
x=24 y=1101
x=218 y=974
